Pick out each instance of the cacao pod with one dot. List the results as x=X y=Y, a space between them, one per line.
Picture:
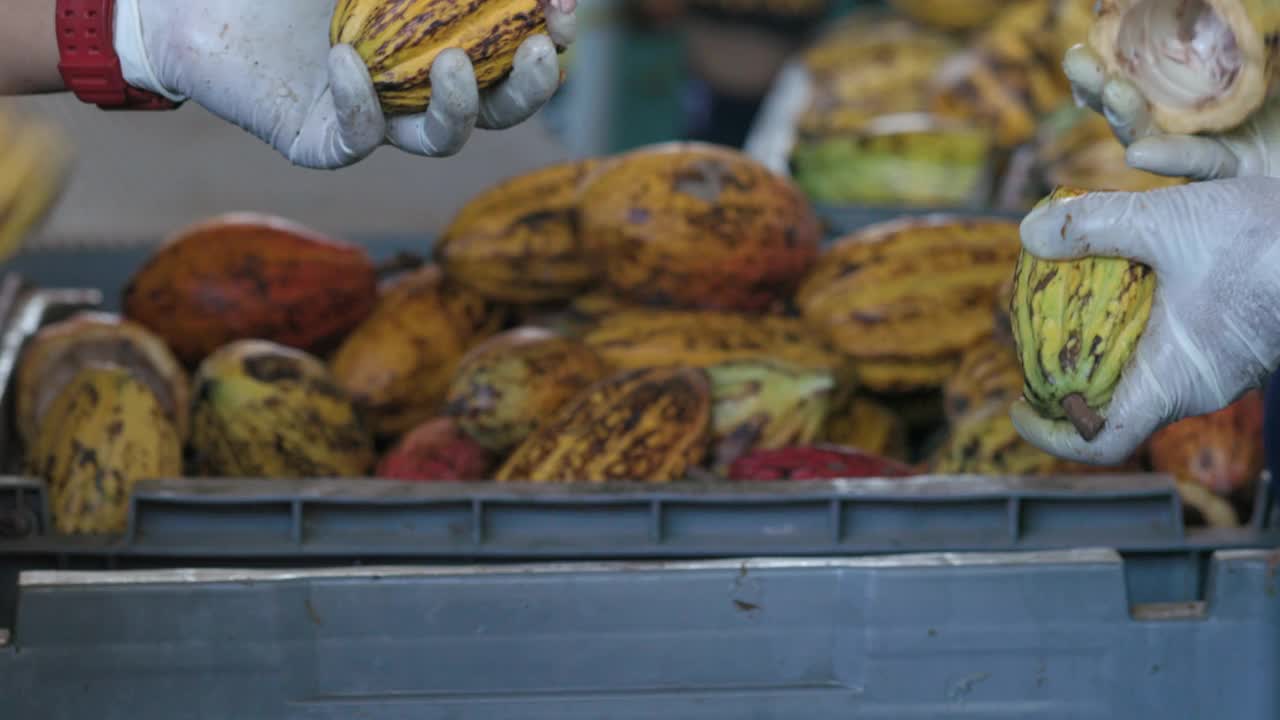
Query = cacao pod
x=698 y=226
x=436 y=450
x=1007 y=79
x=264 y=410
x=508 y=384
x=989 y=375
x=639 y=425
x=1004 y=325
x=906 y=297
x=815 y=463
x=761 y=404
x=1200 y=507
x=35 y=166
x=249 y=276
x=986 y=443
x=398 y=363
x=869 y=426
x=853 y=155
x=55 y=355
x=575 y=318
x=1076 y=148
x=905 y=376
x=949 y=14
x=1076 y=324
x=518 y=241
x=1221 y=451
x=103 y=432
x=647 y=338
x=1200 y=67
x=399 y=41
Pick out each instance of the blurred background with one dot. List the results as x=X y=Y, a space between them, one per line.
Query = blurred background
x=629 y=83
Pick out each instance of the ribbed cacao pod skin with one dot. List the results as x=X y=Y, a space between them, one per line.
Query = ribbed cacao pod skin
x=400 y=39
x=518 y=241
x=56 y=354
x=263 y=410
x=1006 y=80
x=250 y=276
x=814 y=463
x=646 y=338
x=1221 y=451
x=761 y=404
x=398 y=363
x=1076 y=324
x=905 y=298
x=508 y=384
x=639 y=426
x=989 y=375
x=435 y=451
x=1003 y=322
x=102 y=433
x=691 y=225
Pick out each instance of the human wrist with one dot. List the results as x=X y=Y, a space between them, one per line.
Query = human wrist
x=29 y=49
x=135 y=62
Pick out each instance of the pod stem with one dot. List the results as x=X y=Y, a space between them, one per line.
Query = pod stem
x=1086 y=421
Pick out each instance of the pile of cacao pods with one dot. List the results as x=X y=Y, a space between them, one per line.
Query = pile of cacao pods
x=669 y=314
x=943 y=104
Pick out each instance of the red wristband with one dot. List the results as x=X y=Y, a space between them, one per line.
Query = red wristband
x=88 y=61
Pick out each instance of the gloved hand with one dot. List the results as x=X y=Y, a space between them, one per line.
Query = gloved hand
x=1214 y=330
x=266 y=66
x=1251 y=149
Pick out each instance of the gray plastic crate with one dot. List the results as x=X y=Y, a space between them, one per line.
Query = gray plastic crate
x=1050 y=635
x=346 y=521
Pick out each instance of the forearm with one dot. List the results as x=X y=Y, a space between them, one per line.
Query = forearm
x=29 y=48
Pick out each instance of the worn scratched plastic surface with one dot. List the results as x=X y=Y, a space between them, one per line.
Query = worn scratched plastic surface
x=1039 y=635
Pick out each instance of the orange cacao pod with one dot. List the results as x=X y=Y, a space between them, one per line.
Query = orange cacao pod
x=249 y=276
x=698 y=226
x=1221 y=451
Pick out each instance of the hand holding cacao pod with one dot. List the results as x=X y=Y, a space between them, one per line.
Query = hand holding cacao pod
x=273 y=68
x=1213 y=332
x=1164 y=143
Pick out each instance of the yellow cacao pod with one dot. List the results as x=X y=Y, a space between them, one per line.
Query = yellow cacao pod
x=399 y=40
x=1076 y=324
x=630 y=339
x=692 y=225
x=264 y=410
x=518 y=241
x=906 y=297
x=640 y=425
x=398 y=363
x=55 y=355
x=508 y=384
x=765 y=404
x=989 y=375
x=102 y=433
x=869 y=426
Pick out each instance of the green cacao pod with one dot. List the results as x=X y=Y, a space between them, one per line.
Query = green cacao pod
x=1076 y=323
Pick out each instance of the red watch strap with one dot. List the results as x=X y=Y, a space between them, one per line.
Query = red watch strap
x=88 y=61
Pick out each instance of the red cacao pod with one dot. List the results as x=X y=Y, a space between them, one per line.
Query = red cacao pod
x=436 y=450
x=815 y=462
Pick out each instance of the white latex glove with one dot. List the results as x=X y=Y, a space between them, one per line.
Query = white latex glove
x=1251 y=149
x=1214 y=330
x=266 y=66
